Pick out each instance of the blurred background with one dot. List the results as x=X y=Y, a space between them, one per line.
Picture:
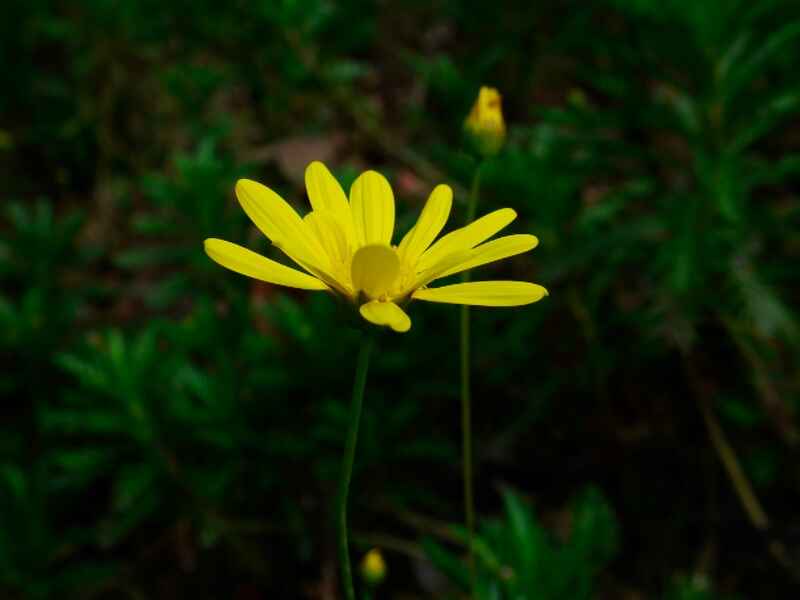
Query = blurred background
x=169 y=429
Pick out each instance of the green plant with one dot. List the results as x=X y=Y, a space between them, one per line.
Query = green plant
x=517 y=557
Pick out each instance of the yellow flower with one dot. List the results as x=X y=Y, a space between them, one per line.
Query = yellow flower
x=346 y=248
x=373 y=567
x=485 y=122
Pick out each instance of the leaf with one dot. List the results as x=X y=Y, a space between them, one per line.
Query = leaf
x=116 y=527
x=766 y=119
x=86 y=372
x=740 y=411
x=447 y=563
x=594 y=529
x=525 y=535
x=132 y=483
x=773 y=173
x=76 y=421
x=758 y=59
x=766 y=310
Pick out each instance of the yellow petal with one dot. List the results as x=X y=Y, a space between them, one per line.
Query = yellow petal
x=387 y=314
x=447 y=262
x=324 y=191
x=374 y=269
x=328 y=230
x=372 y=208
x=244 y=261
x=498 y=249
x=281 y=224
x=485 y=293
x=430 y=223
x=326 y=194
x=467 y=237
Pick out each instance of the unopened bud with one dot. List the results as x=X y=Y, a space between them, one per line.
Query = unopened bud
x=485 y=125
x=373 y=567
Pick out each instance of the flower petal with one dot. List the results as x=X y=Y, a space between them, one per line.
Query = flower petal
x=429 y=225
x=387 y=314
x=374 y=269
x=498 y=249
x=244 y=261
x=326 y=194
x=484 y=293
x=372 y=209
x=447 y=262
x=281 y=224
x=330 y=234
x=467 y=237
x=324 y=191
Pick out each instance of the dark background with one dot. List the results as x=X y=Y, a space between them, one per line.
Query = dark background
x=169 y=429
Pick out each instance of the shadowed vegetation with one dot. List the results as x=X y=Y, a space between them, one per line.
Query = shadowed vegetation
x=172 y=430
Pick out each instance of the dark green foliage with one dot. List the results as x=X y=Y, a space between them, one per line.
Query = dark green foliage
x=171 y=429
x=518 y=558
x=694 y=588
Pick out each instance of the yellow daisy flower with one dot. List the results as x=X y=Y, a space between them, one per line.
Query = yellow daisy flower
x=346 y=248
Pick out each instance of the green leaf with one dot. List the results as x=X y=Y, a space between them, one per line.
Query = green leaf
x=741 y=412
x=594 y=528
x=87 y=373
x=759 y=58
x=95 y=420
x=766 y=119
x=447 y=563
x=526 y=536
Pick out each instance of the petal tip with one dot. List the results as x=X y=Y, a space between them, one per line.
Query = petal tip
x=244 y=186
x=315 y=164
x=443 y=188
x=386 y=314
x=403 y=327
x=210 y=244
x=374 y=173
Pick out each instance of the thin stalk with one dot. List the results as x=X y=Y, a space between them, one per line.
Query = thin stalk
x=466 y=404
x=730 y=461
x=359 y=383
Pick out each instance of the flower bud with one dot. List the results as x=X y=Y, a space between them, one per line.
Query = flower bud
x=373 y=567
x=485 y=125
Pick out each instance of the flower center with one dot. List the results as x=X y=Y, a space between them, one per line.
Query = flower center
x=374 y=269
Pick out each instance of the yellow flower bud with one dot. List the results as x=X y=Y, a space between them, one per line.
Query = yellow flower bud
x=485 y=124
x=6 y=141
x=373 y=567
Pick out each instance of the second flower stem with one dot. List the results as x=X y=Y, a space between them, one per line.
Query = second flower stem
x=362 y=366
x=466 y=403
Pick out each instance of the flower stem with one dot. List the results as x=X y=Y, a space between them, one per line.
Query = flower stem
x=359 y=383
x=466 y=404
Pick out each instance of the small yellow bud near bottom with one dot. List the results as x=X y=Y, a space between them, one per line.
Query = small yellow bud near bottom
x=6 y=141
x=373 y=567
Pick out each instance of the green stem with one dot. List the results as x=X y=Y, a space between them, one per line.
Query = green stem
x=474 y=193
x=359 y=383
x=466 y=404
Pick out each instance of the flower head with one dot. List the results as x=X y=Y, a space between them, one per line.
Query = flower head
x=346 y=248
x=373 y=567
x=485 y=124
